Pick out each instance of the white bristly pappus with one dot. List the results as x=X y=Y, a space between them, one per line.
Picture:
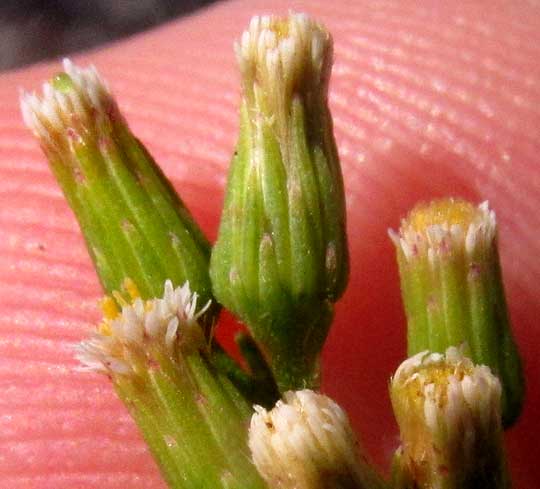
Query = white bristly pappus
x=64 y=113
x=169 y=323
x=303 y=442
x=458 y=402
x=440 y=239
x=279 y=56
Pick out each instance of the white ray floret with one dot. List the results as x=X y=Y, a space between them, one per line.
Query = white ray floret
x=62 y=112
x=169 y=323
x=304 y=442
x=478 y=232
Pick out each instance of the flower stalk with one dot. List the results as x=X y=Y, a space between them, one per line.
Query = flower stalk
x=453 y=292
x=280 y=261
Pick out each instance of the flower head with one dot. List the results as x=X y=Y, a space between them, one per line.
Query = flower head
x=449 y=415
x=453 y=292
x=135 y=337
x=281 y=259
x=76 y=105
x=280 y=58
x=446 y=226
x=134 y=223
x=306 y=442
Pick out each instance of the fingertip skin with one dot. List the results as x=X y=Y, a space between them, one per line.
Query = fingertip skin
x=428 y=100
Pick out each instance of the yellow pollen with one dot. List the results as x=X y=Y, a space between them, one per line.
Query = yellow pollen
x=120 y=299
x=281 y=29
x=109 y=307
x=437 y=375
x=131 y=288
x=441 y=212
x=104 y=328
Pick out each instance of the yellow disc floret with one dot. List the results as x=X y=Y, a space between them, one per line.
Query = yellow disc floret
x=449 y=414
x=441 y=212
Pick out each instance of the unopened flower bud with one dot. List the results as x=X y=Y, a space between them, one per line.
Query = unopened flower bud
x=134 y=223
x=280 y=261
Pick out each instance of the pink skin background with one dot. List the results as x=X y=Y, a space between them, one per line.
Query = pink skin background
x=429 y=99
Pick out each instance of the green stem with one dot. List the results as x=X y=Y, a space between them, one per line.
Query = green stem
x=195 y=423
x=265 y=389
